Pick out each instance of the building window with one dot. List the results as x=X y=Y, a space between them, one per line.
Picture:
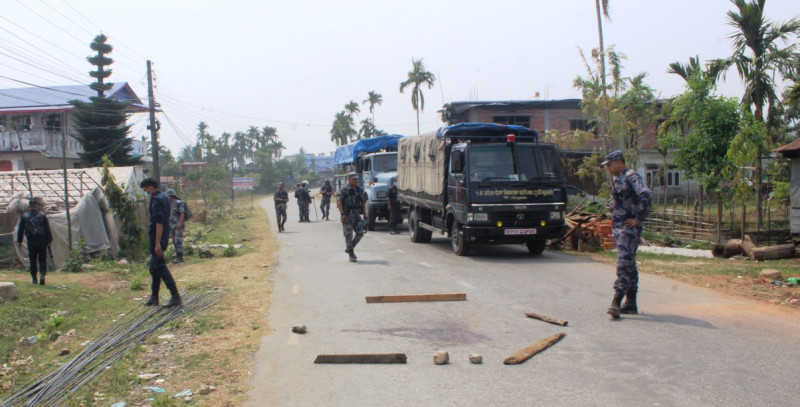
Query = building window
x=21 y=123
x=52 y=122
x=524 y=121
x=583 y=125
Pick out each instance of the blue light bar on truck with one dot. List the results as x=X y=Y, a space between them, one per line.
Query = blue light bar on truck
x=487 y=131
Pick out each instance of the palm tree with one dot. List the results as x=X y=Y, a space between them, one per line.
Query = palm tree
x=416 y=77
x=352 y=108
x=714 y=69
x=342 y=130
x=602 y=8
x=760 y=59
x=374 y=98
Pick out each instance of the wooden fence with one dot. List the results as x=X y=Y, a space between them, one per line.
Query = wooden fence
x=684 y=224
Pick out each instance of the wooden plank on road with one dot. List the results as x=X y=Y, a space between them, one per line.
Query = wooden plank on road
x=416 y=298
x=546 y=318
x=363 y=358
x=527 y=353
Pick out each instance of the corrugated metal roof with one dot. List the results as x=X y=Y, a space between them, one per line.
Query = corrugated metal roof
x=793 y=146
x=58 y=97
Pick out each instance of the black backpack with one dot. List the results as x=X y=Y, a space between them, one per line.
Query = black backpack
x=34 y=225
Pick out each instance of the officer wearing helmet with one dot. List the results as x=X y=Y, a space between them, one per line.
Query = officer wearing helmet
x=281 y=198
x=352 y=206
x=304 y=201
x=394 y=207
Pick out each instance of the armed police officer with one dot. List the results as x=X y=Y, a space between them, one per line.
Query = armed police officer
x=394 y=207
x=177 y=221
x=297 y=188
x=304 y=201
x=352 y=207
x=158 y=235
x=629 y=206
x=327 y=193
x=281 y=198
x=36 y=228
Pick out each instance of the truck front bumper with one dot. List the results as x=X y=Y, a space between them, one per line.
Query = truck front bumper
x=500 y=235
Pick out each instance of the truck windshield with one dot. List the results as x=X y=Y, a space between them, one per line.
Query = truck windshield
x=384 y=163
x=498 y=163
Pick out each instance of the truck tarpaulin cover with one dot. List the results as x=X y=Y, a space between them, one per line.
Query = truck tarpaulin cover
x=348 y=154
x=420 y=164
x=486 y=130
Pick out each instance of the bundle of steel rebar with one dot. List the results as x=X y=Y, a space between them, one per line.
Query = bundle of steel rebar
x=133 y=328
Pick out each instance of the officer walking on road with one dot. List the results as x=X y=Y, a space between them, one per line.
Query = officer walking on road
x=158 y=235
x=297 y=188
x=281 y=198
x=304 y=200
x=352 y=207
x=394 y=207
x=327 y=193
x=177 y=220
x=629 y=206
x=36 y=228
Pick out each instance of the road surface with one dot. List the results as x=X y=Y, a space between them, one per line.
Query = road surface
x=691 y=346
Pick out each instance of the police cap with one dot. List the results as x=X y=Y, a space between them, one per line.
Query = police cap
x=613 y=156
x=352 y=175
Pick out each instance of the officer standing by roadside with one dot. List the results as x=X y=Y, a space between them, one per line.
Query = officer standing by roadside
x=629 y=206
x=177 y=221
x=305 y=202
x=297 y=188
x=352 y=207
x=281 y=198
x=327 y=193
x=36 y=228
x=158 y=236
x=394 y=207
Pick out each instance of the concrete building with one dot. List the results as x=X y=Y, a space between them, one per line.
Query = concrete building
x=34 y=122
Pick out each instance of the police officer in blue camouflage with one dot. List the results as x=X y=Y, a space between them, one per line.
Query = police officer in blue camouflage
x=177 y=223
x=158 y=236
x=629 y=206
x=352 y=207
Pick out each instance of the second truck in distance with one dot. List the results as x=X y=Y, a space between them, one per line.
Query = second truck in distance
x=482 y=183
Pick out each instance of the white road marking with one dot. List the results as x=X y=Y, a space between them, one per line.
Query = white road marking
x=295 y=289
x=465 y=284
x=400 y=251
x=294 y=339
x=426 y=265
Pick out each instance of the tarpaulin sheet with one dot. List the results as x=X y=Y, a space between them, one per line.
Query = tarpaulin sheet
x=484 y=130
x=348 y=154
x=420 y=164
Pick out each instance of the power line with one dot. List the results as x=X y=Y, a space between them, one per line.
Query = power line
x=68 y=19
x=50 y=22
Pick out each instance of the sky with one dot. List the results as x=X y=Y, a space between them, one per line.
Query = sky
x=293 y=64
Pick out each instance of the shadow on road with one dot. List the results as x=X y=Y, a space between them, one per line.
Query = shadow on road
x=671 y=319
x=500 y=254
x=374 y=262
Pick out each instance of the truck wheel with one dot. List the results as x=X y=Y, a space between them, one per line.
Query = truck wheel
x=459 y=240
x=413 y=227
x=535 y=247
x=371 y=217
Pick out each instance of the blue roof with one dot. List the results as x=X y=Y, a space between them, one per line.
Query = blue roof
x=484 y=130
x=348 y=154
x=49 y=98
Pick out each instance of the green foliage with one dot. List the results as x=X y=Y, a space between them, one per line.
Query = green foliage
x=100 y=60
x=76 y=259
x=230 y=251
x=591 y=170
x=100 y=130
x=417 y=77
x=124 y=209
x=205 y=254
x=342 y=131
x=781 y=192
x=745 y=151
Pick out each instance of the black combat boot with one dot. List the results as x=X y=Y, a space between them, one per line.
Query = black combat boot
x=152 y=302
x=178 y=259
x=614 y=309
x=629 y=307
x=176 y=300
x=352 y=254
x=33 y=276
x=41 y=281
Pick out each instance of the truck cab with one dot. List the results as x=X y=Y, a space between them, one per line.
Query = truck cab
x=375 y=174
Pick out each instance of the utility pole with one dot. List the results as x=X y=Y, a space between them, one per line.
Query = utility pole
x=66 y=185
x=24 y=164
x=154 y=125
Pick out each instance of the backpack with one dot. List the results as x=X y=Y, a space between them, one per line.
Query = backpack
x=187 y=213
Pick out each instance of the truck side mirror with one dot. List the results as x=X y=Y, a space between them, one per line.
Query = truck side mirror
x=457 y=162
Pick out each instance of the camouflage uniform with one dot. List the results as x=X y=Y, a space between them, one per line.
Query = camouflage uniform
x=281 y=199
x=352 y=199
x=630 y=199
x=36 y=229
x=176 y=209
x=325 y=206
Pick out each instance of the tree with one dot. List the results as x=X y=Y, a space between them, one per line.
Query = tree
x=759 y=60
x=368 y=129
x=744 y=149
x=342 y=130
x=373 y=98
x=637 y=111
x=352 y=109
x=100 y=124
x=417 y=77
x=601 y=7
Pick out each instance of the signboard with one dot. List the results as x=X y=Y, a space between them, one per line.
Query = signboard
x=243 y=183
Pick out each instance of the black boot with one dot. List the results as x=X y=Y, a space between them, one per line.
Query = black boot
x=41 y=281
x=629 y=307
x=176 y=300
x=33 y=276
x=614 y=310
x=152 y=302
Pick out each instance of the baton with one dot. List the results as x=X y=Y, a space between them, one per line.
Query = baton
x=315 y=208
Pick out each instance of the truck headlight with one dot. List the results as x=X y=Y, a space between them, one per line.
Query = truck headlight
x=382 y=194
x=556 y=215
x=478 y=217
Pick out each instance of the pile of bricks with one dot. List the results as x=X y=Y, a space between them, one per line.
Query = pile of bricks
x=589 y=232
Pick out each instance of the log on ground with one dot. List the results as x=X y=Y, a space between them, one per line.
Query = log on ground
x=416 y=298
x=524 y=354
x=783 y=251
x=380 y=358
x=547 y=318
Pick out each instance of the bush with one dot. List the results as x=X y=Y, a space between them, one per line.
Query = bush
x=230 y=252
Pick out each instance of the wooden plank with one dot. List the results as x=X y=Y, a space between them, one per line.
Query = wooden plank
x=416 y=298
x=547 y=318
x=371 y=358
x=524 y=354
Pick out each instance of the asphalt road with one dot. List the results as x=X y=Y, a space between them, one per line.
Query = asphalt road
x=691 y=346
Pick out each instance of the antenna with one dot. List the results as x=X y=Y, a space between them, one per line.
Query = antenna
x=441 y=88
